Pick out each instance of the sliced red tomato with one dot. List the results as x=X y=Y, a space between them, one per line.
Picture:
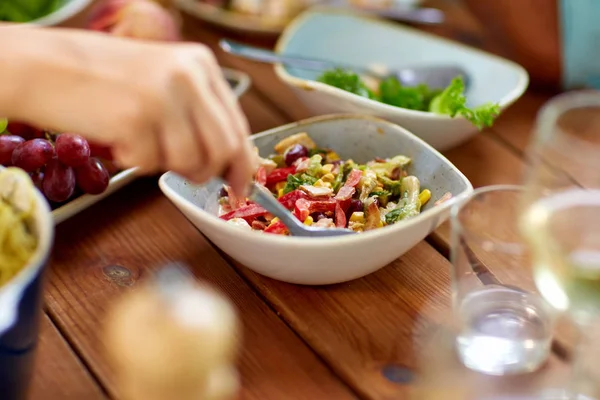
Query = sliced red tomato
x=249 y=211
x=340 y=216
x=277 y=228
x=261 y=176
x=303 y=207
x=280 y=175
x=289 y=200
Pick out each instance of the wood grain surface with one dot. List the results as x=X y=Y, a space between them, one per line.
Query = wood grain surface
x=362 y=339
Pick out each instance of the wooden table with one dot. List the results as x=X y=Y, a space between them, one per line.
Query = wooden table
x=353 y=340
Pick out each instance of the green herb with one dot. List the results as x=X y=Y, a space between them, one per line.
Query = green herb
x=295 y=181
x=348 y=81
x=3 y=125
x=27 y=10
x=452 y=102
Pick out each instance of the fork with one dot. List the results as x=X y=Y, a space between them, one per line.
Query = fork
x=262 y=196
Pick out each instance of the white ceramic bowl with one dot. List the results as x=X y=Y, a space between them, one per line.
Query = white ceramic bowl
x=364 y=41
x=318 y=261
x=66 y=12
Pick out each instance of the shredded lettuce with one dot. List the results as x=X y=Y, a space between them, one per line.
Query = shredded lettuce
x=346 y=80
x=295 y=181
x=418 y=97
x=410 y=205
x=452 y=102
x=27 y=10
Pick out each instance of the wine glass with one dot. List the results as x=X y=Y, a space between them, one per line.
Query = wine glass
x=560 y=220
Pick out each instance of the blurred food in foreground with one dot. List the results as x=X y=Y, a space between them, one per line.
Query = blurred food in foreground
x=173 y=338
x=18 y=240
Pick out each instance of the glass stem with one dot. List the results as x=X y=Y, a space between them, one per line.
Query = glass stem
x=580 y=384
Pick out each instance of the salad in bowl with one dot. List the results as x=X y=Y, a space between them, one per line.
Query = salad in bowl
x=317 y=260
x=323 y=190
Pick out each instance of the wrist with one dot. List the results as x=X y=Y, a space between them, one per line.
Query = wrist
x=32 y=71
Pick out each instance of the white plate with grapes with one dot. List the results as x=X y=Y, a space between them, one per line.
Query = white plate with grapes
x=72 y=173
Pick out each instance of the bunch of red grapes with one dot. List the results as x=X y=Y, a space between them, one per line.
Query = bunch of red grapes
x=61 y=165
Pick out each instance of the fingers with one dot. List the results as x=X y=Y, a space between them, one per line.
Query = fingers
x=241 y=167
x=139 y=150
x=183 y=152
x=221 y=133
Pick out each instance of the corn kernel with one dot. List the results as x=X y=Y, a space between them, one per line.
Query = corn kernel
x=327 y=168
x=280 y=193
x=327 y=184
x=380 y=224
x=332 y=156
x=328 y=178
x=424 y=196
x=280 y=185
x=319 y=183
x=308 y=221
x=357 y=216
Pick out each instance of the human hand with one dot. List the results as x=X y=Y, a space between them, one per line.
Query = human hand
x=158 y=106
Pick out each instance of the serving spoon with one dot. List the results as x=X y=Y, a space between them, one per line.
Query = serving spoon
x=434 y=76
x=263 y=197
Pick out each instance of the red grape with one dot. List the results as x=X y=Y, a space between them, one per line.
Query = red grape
x=72 y=150
x=92 y=177
x=59 y=181
x=8 y=143
x=32 y=154
x=100 y=151
x=25 y=131
x=37 y=178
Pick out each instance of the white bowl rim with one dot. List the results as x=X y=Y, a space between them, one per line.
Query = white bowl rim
x=307 y=84
x=327 y=241
x=14 y=289
x=67 y=11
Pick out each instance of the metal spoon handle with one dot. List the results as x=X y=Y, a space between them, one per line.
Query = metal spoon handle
x=426 y=16
x=258 y=54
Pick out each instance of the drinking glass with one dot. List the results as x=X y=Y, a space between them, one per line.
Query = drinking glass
x=561 y=222
x=501 y=329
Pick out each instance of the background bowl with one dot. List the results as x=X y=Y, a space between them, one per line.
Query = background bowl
x=364 y=41
x=69 y=10
x=318 y=261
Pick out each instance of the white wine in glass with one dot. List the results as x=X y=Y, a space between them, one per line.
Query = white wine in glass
x=561 y=222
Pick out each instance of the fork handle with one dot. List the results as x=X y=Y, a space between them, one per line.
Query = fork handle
x=268 y=56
